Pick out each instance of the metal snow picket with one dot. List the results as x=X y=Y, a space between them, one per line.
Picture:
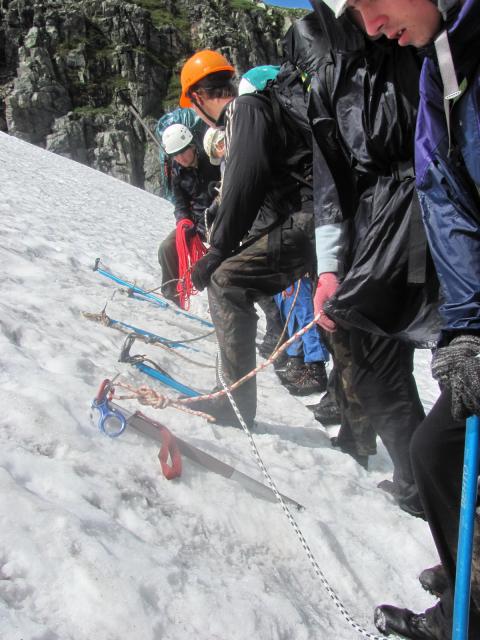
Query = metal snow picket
x=147 y=295
x=113 y=419
x=461 y=607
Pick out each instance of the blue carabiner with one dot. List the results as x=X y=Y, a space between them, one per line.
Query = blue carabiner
x=107 y=414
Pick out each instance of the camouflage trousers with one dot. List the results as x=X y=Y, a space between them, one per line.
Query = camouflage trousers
x=356 y=433
x=264 y=267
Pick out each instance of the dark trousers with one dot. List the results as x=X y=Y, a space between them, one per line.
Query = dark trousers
x=168 y=259
x=377 y=393
x=437 y=450
x=265 y=267
x=384 y=383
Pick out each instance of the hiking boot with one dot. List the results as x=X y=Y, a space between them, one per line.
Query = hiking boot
x=408 y=501
x=222 y=411
x=309 y=378
x=434 y=580
x=268 y=344
x=403 y=622
x=362 y=460
x=292 y=370
x=328 y=414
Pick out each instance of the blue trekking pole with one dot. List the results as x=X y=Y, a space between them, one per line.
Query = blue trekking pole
x=461 y=607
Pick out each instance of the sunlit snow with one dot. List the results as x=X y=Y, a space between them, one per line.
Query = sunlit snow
x=95 y=543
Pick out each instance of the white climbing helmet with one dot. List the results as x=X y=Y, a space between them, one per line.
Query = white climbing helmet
x=211 y=138
x=176 y=138
x=337 y=6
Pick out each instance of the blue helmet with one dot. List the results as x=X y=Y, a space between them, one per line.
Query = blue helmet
x=256 y=79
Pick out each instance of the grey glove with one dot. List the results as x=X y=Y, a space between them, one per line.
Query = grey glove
x=457 y=367
x=448 y=360
x=465 y=387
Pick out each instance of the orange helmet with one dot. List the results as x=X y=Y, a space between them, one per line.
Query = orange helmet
x=199 y=66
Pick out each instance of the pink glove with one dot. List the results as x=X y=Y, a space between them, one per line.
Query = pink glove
x=326 y=287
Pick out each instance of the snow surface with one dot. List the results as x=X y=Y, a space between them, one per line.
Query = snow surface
x=95 y=543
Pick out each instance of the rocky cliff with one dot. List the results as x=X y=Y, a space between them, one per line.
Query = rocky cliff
x=66 y=64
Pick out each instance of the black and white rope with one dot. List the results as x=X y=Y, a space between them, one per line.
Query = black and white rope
x=336 y=600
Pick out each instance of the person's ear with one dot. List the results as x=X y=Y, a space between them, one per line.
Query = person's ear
x=197 y=98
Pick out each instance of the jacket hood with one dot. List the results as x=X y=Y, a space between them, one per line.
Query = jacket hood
x=341 y=33
x=463 y=26
x=305 y=43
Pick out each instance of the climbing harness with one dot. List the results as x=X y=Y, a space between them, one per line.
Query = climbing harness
x=190 y=249
x=134 y=290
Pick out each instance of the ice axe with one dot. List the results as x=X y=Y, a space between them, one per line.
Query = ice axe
x=461 y=606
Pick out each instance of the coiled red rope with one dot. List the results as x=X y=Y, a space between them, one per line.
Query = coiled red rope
x=190 y=248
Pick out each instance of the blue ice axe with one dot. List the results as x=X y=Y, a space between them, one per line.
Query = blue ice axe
x=461 y=606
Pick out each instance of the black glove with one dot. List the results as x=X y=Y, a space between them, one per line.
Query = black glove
x=457 y=367
x=203 y=269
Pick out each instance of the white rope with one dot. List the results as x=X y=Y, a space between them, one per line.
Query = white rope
x=336 y=600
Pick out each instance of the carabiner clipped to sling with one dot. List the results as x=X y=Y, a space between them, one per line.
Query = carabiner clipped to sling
x=110 y=421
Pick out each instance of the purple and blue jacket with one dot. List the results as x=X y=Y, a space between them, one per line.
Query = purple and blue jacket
x=448 y=173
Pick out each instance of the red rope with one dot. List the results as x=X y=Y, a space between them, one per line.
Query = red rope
x=189 y=251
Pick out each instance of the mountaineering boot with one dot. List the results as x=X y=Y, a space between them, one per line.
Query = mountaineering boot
x=319 y=374
x=407 y=498
x=326 y=411
x=222 y=411
x=361 y=459
x=303 y=379
x=292 y=369
x=403 y=622
x=434 y=580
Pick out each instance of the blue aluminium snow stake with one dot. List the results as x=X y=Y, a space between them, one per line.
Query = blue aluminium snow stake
x=145 y=295
x=461 y=606
x=174 y=344
x=171 y=382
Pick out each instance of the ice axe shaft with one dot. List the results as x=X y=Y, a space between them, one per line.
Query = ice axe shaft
x=461 y=606
x=139 y=423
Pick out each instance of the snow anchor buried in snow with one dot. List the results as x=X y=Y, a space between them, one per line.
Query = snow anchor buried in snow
x=146 y=295
x=154 y=371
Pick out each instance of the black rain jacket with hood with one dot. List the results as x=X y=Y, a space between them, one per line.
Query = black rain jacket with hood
x=363 y=108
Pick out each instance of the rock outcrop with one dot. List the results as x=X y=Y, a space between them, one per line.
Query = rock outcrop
x=66 y=64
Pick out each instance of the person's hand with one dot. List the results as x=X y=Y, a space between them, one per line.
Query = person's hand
x=189 y=228
x=446 y=361
x=465 y=386
x=457 y=367
x=326 y=287
x=203 y=269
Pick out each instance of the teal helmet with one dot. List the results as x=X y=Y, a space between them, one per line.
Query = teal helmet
x=256 y=79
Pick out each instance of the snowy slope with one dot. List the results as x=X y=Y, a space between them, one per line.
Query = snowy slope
x=95 y=543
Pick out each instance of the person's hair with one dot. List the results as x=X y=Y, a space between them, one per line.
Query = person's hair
x=216 y=85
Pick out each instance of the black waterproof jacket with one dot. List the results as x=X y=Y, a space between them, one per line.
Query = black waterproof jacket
x=259 y=190
x=362 y=108
x=194 y=189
